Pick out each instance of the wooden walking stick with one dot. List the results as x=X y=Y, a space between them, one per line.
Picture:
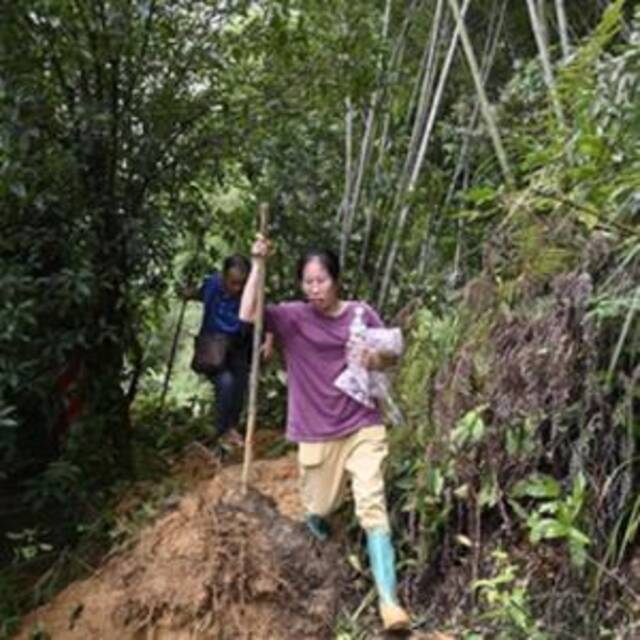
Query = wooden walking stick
x=255 y=356
x=172 y=354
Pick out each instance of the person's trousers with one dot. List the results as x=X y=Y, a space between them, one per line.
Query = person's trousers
x=326 y=467
x=230 y=386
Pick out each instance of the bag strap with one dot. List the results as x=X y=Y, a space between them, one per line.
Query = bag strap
x=211 y=294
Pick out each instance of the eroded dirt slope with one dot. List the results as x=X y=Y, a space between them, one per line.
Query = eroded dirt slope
x=216 y=565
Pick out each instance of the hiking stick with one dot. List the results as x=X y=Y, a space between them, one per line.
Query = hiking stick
x=255 y=356
x=172 y=355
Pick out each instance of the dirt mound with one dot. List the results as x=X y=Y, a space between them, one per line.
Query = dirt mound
x=217 y=565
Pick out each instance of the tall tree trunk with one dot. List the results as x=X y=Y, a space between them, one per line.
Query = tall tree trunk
x=105 y=360
x=107 y=400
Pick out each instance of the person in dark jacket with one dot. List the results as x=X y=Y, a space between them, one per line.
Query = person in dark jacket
x=220 y=293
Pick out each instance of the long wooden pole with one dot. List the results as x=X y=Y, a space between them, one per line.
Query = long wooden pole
x=172 y=354
x=255 y=357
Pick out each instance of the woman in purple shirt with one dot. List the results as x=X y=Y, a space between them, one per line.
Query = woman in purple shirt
x=338 y=438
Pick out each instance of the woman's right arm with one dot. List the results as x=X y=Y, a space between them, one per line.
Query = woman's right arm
x=249 y=299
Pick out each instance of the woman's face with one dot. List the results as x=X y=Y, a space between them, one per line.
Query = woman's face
x=233 y=281
x=318 y=286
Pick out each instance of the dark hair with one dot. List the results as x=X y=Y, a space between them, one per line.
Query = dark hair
x=327 y=258
x=236 y=261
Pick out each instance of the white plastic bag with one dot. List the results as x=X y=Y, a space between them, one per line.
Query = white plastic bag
x=364 y=386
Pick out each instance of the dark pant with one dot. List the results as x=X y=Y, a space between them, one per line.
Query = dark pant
x=230 y=386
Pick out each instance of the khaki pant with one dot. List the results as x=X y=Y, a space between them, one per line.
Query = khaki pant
x=323 y=475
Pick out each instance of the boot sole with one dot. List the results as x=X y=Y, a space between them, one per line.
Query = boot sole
x=395 y=620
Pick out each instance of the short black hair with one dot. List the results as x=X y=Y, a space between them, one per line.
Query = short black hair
x=236 y=261
x=326 y=257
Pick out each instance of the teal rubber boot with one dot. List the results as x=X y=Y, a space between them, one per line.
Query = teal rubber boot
x=382 y=561
x=318 y=526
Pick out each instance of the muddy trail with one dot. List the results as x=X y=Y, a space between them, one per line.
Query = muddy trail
x=215 y=564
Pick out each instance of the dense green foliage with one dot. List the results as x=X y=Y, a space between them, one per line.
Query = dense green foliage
x=103 y=133
x=136 y=140
x=527 y=423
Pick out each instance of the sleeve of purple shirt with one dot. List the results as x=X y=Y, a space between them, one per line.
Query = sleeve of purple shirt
x=279 y=319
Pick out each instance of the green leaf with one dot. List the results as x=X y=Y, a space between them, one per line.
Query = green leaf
x=592 y=146
x=578 y=552
x=470 y=428
x=537 y=486
x=481 y=194
x=546 y=528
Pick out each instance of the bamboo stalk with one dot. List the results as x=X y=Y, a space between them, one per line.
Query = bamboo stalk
x=422 y=93
x=348 y=145
x=255 y=357
x=542 y=18
x=427 y=73
x=490 y=48
x=545 y=60
x=365 y=153
x=482 y=96
x=562 y=29
x=491 y=45
x=352 y=199
x=417 y=165
x=426 y=87
x=395 y=62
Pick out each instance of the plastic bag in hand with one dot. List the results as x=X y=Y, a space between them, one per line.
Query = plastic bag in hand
x=358 y=382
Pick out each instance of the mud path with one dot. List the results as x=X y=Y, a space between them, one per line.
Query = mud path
x=214 y=565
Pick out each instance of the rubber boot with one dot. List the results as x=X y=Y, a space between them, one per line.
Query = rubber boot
x=382 y=561
x=318 y=526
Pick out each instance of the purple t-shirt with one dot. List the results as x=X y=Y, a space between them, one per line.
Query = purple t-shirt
x=314 y=348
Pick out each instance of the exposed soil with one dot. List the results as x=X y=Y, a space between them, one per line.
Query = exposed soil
x=216 y=564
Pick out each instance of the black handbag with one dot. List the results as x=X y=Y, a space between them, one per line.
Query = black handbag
x=210 y=351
